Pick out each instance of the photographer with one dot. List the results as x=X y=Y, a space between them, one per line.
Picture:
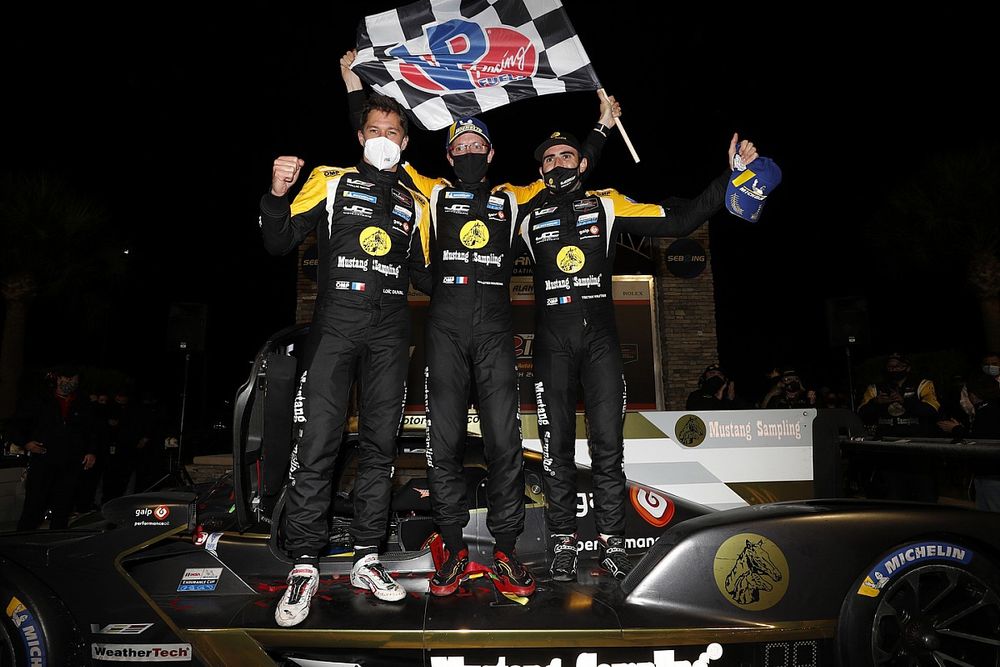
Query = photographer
x=715 y=392
x=789 y=392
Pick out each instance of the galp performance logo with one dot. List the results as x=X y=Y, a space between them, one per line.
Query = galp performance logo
x=465 y=56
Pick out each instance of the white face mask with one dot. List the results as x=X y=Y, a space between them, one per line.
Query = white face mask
x=991 y=370
x=382 y=153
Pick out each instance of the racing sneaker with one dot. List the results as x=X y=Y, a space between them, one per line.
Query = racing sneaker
x=613 y=556
x=370 y=574
x=563 y=566
x=293 y=607
x=451 y=574
x=512 y=574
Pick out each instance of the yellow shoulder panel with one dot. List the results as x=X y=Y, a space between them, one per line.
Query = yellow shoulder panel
x=314 y=189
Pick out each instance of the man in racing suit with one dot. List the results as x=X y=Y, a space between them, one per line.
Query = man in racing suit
x=571 y=236
x=371 y=227
x=468 y=337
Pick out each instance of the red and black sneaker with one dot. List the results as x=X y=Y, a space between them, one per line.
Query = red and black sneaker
x=453 y=571
x=512 y=574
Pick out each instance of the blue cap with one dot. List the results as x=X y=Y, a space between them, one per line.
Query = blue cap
x=469 y=124
x=750 y=186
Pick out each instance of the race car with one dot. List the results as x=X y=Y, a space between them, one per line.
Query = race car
x=192 y=575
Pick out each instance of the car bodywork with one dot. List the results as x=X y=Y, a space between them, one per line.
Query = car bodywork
x=192 y=576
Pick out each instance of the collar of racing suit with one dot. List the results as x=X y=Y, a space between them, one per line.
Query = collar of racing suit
x=377 y=175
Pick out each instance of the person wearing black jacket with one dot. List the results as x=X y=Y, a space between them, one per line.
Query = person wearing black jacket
x=371 y=232
x=473 y=244
x=571 y=237
x=984 y=394
x=58 y=432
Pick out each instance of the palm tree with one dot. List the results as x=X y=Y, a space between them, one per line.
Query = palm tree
x=945 y=214
x=53 y=240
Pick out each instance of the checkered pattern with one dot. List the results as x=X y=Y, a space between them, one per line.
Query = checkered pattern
x=445 y=59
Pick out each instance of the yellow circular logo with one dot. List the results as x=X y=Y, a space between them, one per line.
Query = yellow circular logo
x=570 y=259
x=751 y=572
x=690 y=430
x=474 y=234
x=375 y=241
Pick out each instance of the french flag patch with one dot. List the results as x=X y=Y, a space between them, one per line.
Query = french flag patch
x=358 y=287
x=461 y=280
x=565 y=299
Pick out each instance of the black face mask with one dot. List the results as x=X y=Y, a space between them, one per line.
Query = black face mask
x=471 y=167
x=896 y=376
x=561 y=179
x=793 y=387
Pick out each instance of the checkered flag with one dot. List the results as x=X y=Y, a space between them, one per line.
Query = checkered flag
x=444 y=59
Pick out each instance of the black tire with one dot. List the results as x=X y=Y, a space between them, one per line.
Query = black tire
x=43 y=619
x=939 y=613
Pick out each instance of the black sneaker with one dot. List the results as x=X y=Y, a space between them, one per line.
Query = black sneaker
x=563 y=566
x=512 y=574
x=451 y=574
x=614 y=558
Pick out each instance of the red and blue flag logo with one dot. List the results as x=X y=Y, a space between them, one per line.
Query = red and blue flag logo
x=466 y=56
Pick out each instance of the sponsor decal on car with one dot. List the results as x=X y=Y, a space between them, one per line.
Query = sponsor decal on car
x=751 y=571
x=159 y=515
x=141 y=652
x=120 y=628
x=906 y=557
x=31 y=632
x=660 y=658
x=655 y=508
x=199 y=579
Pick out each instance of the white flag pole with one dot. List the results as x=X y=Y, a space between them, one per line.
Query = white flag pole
x=621 y=128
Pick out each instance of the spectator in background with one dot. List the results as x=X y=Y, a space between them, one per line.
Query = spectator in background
x=990 y=365
x=984 y=394
x=151 y=461
x=123 y=434
x=89 y=479
x=715 y=392
x=57 y=431
x=790 y=393
x=901 y=406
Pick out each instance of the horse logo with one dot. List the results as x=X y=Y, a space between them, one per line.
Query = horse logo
x=690 y=430
x=751 y=571
x=570 y=259
x=375 y=241
x=474 y=234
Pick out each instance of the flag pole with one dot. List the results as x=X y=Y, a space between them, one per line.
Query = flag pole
x=621 y=128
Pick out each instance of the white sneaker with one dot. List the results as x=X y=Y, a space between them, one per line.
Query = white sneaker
x=369 y=573
x=293 y=607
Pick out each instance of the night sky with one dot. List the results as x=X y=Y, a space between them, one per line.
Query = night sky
x=171 y=116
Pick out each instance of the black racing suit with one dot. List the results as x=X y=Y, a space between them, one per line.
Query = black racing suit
x=571 y=239
x=371 y=229
x=469 y=337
